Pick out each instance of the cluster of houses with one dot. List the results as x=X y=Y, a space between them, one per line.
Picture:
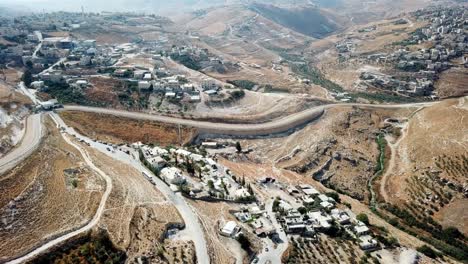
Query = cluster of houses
x=160 y=81
x=318 y=213
x=200 y=177
x=200 y=58
x=303 y=211
x=447 y=34
x=35 y=47
x=88 y=53
x=416 y=87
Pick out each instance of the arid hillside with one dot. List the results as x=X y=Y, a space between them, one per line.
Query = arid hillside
x=119 y=130
x=430 y=156
x=307 y=20
x=339 y=149
x=50 y=193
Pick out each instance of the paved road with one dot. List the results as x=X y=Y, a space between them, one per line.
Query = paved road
x=29 y=143
x=38 y=47
x=274 y=254
x=32 y=139
x=87 y=227
x=28 y=93
x=193 y=226
x=276 y=126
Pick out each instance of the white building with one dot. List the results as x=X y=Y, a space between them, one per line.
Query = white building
x=90 y=43
x=320 y=220
x=147 y=76
x=49 y=104
x=211 y=92
x=241 y=193
x=195 y=98
x=170 y=95
x=85 y=60
x=341 y=217
x=144 y=85
x=324 y=198
x=209 y=84
x=230 y=229
x=172 y=175
x=309 y=190
x=139 y=74
x=367 y=242
x=361 y=229
x=37 y=84
x=188 y=87
x=82 y=83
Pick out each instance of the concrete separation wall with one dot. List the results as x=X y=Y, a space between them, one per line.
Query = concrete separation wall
x=204 y=127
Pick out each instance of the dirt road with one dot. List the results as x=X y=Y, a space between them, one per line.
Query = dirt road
x=193 y=226
x=83 y=229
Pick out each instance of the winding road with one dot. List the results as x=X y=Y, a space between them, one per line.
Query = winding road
x=193 y=226
x=34 y=133
x=29 y=143
x=260 y=129
x=87 y=227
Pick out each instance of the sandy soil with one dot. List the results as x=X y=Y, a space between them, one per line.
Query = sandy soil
x=136 y=215
x=258 y=107
x=428 y=145
x=339 y=148
x=51 y=192
x=218 y=246
x=452 y=82
x=119 y=130
x=455 y=214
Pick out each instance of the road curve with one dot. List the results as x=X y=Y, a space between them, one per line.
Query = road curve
x=272 y=127
x=87 y=227
x=28 y=144
x=191 y=220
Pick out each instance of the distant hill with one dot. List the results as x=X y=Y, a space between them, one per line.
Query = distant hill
x=308 y=20
x=13 y=10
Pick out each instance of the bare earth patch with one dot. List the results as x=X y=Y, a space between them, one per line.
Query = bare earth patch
x=50 y=193
x=119 y=130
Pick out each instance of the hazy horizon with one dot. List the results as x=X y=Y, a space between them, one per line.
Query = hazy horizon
x=149 y=6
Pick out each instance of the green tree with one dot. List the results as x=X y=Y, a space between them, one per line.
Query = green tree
x=334 y=195
x=363 y=218
x=302 y=210
x=276 y=204
x=428 y=251
x=29 y=64
x=211 y=184
x=27 y=77
x=238 y=147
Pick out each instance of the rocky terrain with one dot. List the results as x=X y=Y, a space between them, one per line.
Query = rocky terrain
x=49 y=194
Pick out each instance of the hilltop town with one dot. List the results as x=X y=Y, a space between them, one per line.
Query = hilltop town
x=235 y=134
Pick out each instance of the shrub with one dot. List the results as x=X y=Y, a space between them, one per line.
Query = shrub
x=426 y=250
x=334 y=195
x=363 y=218
x=302 y=210
x=245 y=84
